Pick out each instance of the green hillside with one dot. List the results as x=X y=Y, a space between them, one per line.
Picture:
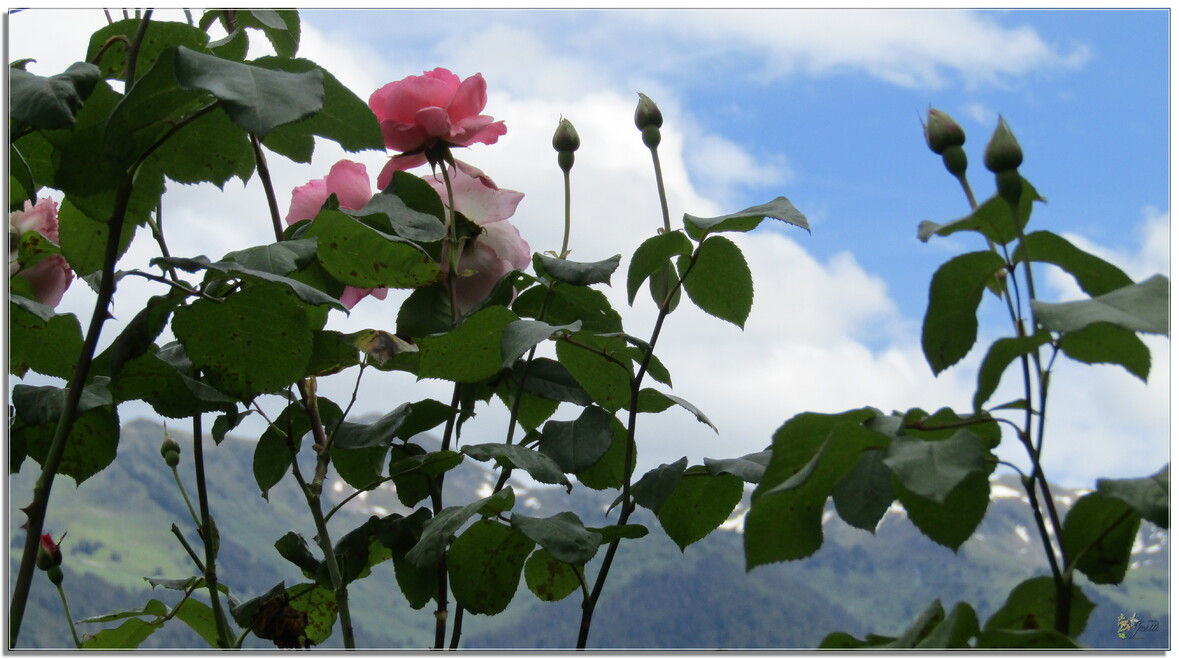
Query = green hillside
x=657 y=597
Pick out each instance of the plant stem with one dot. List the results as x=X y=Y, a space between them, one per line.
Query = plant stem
x=69 y=618
x=200 y=565
x=184 y=493
x=209 y=534
x=628 y=505
x=106 y=288
x=662 y=191
x=568 y=219
x=306 y=389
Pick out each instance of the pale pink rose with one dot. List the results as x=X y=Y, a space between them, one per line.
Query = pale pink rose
x=349 y=182
x=499 y=249
x=418 y=112
x=50 y=276
x=346 y=179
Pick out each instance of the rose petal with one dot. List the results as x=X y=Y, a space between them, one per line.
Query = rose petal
x=349 y=182
x=306 y=200
x=469 y=98
x=398 y=164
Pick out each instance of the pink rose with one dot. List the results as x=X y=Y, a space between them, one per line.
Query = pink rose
x=500 y=249
x=349 y=182
x=50 y=276
x=418 y=112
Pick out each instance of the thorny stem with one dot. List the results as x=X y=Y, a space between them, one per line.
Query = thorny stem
x=306 y=389
x=628 y=505
x=106 y=289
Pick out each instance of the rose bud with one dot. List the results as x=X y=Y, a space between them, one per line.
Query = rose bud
x=942 y=132
x=48 y=553
x=647 y=113
x=1003 y=152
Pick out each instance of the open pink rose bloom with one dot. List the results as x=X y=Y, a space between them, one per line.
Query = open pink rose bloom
x=418 y=112
x=500 y=249
x=50 y=276
x=349 y=182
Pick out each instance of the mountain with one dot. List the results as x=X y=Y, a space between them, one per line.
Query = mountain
x=119 y=522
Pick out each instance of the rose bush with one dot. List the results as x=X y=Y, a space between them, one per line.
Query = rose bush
x=50 y=275
x=419 y=112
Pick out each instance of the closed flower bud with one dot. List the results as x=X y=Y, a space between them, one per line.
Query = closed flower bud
x=942 y=132
x=48 y=553
x=651 y=136
x=56 y=576
x=566 y=139
x=647 y=113
x=955 y=161
x=171 y=452
x=1003 y=152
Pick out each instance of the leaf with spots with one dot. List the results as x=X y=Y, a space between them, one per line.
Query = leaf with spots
x=485 y=564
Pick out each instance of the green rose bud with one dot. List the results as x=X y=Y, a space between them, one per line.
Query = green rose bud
x=170 y=450
x=1003 y=152
x=647 y=113
x=955 y=161
x=942 y=132
x=56 y=576
x=566 y=139
x=651 y=136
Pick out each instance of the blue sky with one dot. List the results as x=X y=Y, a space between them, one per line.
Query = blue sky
x=822 y=107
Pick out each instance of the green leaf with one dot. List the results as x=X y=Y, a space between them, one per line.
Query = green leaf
x=656 y=485
x=360 y=468
x=257 y=99
x=153 y=379
x=931 y=617
x=1099 y=533
x=620 y=532
x=344 y=119
x=1025 y=639
x=418 y=584
x=200 y=618
x=50 y=348
x=126 y=636
x=612 y=468
x=153 y=607
x=359 y=255
x=810 y=454
x=749 y=468
x=94 y=436
x=294 y=548
x=378 y=433
x=955 y=631
x=951 y=324
x=578 y=274
x=436 y=533
x=952 y=522
x=1094 y=275
x=149 y=111
x=577 y=445
x=401 y=218
x=1032 y=605
x=469 y=353
x=210 y=148
x=607 y=382
x=1149 y=497
x=652 y=396
x=999 y=357
x=538 y=465
x=83 y=239
x=1139 y=307
x=161 y=36
x=257 y=341
x=550 y=380
x=863 y=496
x=522 y=335
x=698 y=505
x=319 y=603
x=746 y=220
x=934 y=469
x=485 y=563
x=654 y=255
x=569 y=304
x=992 y=219
x=53 y=102
x=563 y=535
x=23 y=186
x=281 y=27
x=719 y=281
x=1104 y=343
x=549 y=579
x=274 y=451
x=234 y=46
